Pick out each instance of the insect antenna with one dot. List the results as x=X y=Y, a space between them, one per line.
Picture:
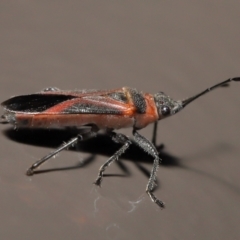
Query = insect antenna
x=222 y=84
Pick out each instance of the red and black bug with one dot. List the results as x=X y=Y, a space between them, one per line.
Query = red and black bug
x=94 y=110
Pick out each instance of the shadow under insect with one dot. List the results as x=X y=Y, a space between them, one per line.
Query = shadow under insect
x=103 y=145
x=99 y=145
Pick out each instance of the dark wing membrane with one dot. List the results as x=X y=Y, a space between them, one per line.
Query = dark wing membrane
x=93 y=105
x=34 y=103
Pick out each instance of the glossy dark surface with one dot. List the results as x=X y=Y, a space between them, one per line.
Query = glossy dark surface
x=178 y=47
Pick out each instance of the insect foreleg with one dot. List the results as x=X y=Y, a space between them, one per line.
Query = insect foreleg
x=72 y=142
x=148 y=147
x=118 y=138
x=154 y=137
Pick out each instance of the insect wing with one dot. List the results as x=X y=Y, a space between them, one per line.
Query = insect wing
x=93 y=105
x=72 y=102
x=34 y=103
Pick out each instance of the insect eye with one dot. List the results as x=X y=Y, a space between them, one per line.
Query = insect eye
x=165 y=110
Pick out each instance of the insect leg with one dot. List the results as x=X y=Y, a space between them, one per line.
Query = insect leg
x=73 y=141
x=154 y=133
x=118 y=138
x=148 y=147
x=154 y=138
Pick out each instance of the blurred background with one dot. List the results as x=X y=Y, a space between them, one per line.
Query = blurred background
x=180 y=48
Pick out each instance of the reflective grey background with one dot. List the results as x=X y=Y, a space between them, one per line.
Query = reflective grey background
x=179 y=47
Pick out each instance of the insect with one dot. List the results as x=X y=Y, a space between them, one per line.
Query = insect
x=94 y=110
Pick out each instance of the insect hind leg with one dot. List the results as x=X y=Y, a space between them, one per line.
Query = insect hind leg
x=80 y=137
x=118 y=138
